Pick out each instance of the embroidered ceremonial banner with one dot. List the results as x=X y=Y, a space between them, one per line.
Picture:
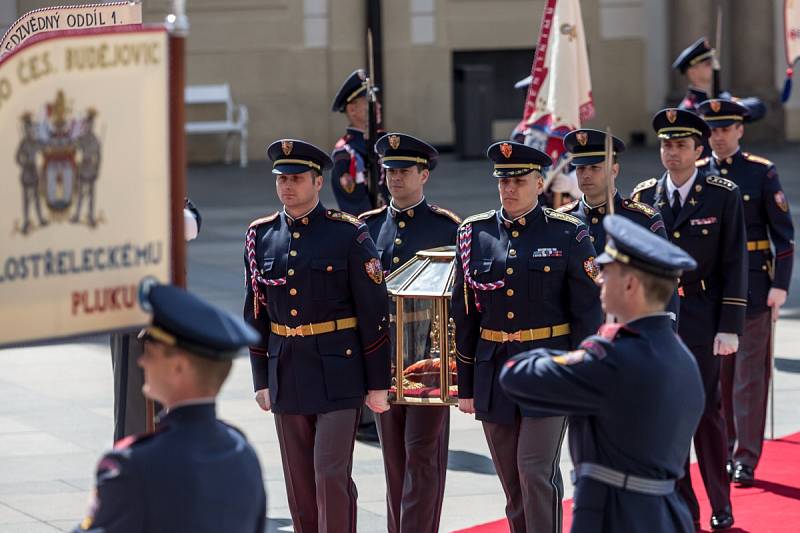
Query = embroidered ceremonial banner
x=49 y=19
x=560 y=94
x=84 y=217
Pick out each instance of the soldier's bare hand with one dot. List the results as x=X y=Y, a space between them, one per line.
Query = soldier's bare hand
x=466 y=405
x=775 y=299
x=726 y=343
x=263 y=400
x=378 y=400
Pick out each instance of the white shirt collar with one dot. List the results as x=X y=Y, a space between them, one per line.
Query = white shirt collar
x=683 y=190
x=526 y=213
x=301 y=216
x=398 y=211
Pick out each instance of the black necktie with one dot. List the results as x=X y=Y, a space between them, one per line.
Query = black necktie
x=676 y=203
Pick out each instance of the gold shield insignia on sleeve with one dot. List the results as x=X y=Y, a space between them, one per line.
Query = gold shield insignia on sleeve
x=374 y=270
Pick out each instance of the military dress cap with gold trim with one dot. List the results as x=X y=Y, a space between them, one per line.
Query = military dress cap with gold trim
x=514 y=159
x=355 y=86
x=290 y=156
x=398 y=150
x=674 y=123
x=636 y=246
x=183 y=320
x=693 y=54
x=719 y=113
x=588 y=146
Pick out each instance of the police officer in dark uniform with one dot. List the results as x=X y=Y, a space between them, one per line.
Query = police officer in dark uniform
x=745 y=378
x=587 y=148
x=414 y=439
x=524 y=279
x=194 y=473
x=349 y=177
x=626 y=459
x=315 y=292
x=704 y=216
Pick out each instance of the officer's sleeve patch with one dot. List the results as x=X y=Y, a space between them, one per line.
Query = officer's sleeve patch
x=590 y=267
x=363 y=236
x=582 y=234
x=595 y=346
x=657 y=225
x=570 y=358
x=374 y=270
x=780 y=201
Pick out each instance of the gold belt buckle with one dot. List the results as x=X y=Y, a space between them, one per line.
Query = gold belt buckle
x=294 y=332
x=510 y=337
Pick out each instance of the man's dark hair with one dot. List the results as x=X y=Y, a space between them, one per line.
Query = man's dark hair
x=658 y=290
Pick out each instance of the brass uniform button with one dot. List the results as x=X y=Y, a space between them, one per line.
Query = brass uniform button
x=698 y=188
x=296 y=235
x=746 y=197
x=509 y=271
x=293 y=253
x=515 y=233
x=398 y=241
x=293 y=312
x=348 y=352
x=510 y=292
x=595 y=220
x=705 y=231
x=677 y=234
x=401 y=224
x=591 y=238
x=395 y=260
x=547 y=268
x=329 y=268
x=290 y=272
x=763 y=267
x=510 y=314
x=512 y=252
x=293 y=291
x=724 y=171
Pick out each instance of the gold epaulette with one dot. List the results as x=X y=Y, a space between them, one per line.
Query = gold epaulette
x=366 y=214
x=647 y=184
x=639 y=207
x=721 y=182
x=564 y=217
x=566 y=208
x=445 y=213
x=480 y=216
x=341 y=216
x=264 y=220
x=702 y=162
x=757 y=159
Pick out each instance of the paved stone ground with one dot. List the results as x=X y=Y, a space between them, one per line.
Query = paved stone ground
x=56 y=401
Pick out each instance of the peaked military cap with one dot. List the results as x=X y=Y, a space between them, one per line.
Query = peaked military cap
x=588 y=146
x=515 y=159
x=719 y=113
x=693 y=54
x=636 y=246
x=673 y=123
x=183 y=320
x=354 y=86
x=290 y=156
x=398 y=150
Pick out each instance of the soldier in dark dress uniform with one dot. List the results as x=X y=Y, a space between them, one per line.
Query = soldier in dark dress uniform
x=704 y=216
x=745 y=378
x=524 y=279
x=414 y=439
x=587 y=148
x=626 y=458
x=194 y=474
x=349 y=177
x=315 y=292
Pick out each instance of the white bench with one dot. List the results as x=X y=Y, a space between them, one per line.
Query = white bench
x=220 y=95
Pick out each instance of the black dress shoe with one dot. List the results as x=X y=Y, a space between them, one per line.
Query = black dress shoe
x=367 y=433
x=722 y=519
x=744 y=475
x=729 y=468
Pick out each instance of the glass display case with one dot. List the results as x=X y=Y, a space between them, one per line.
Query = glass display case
x=423 y=334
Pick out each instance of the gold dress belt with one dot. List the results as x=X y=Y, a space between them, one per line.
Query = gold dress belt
x=525 y=335
x=313 y=329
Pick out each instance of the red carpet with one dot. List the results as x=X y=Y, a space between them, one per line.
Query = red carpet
x=771 y=506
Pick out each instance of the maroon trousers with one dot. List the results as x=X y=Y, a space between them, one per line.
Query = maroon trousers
x=414 y=440
x=317 y=456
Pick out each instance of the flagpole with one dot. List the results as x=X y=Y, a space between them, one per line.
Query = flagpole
x=609 y=168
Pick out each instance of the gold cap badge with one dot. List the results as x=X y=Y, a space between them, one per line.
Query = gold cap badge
x=506 y=150
x=394 y=141
x=582 y=137
x=287 y=146
x=715 y=106
x=672 y=115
